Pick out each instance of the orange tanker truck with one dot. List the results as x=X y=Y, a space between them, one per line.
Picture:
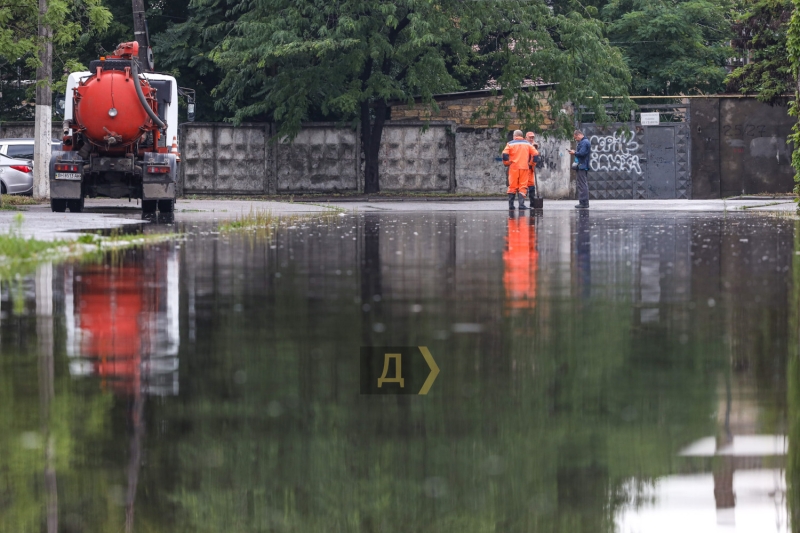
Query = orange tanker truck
x=120 y=130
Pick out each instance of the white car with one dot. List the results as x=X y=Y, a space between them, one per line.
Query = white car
x=22 y=148
x=13 y=177
x=16 y=175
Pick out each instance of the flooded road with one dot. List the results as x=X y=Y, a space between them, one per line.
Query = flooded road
x=599 y=372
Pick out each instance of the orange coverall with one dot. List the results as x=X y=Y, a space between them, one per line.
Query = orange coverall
x=532 y=177
x=518 y=157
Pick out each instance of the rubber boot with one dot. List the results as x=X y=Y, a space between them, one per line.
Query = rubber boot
x=521 y=202
x=511 y=201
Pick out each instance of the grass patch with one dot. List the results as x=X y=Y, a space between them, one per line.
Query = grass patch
x=263 y=223
x=21 y=255
x=255 y=219
x=16 y=199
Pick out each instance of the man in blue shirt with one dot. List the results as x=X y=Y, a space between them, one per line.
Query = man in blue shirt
x=582 y=153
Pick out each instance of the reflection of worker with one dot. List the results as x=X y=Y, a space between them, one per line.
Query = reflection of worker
x=583 y=255
x=521 y=262
x=518 y=157
x=531 y=138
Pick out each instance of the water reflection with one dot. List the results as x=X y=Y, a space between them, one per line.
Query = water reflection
x=599 y=372
x=521 y=262
x=122 y=323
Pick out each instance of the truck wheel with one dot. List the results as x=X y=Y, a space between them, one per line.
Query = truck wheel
x=58 y=206
x=149 y=206
x=75 y=206
x=166 y=206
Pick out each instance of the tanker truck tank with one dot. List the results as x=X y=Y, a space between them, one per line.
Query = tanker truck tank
x=119 y=130
x=108 y=111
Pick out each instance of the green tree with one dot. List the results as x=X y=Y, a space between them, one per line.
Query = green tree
x=291 y=61
x=793 y=49
x=760 y=40
x=672 y=48
x=184 y=50
x=74 y=23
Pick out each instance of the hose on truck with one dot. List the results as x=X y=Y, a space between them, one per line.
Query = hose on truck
x=142 y=100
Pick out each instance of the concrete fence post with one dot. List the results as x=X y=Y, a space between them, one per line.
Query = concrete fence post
x=450 y=131
x=215 y=151
x=275 y=153
x=359 y=174
x=182 y=132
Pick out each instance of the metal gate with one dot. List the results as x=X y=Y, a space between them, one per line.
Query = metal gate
x=631 y=161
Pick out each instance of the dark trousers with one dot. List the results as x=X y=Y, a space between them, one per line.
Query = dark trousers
x=583 y=185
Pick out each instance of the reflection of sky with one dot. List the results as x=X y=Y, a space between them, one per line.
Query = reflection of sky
x=741 y=445
x=685 y=504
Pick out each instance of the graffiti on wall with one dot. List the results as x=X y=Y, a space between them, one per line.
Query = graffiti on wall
x=615 y=153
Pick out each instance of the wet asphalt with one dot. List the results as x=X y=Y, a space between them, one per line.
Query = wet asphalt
x=39 y=222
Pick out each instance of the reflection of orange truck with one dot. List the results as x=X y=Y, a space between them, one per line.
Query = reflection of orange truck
x=122 y=323
x=521 y=263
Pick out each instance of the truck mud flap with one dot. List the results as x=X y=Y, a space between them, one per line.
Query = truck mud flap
x=158 y=191
x=65 y=189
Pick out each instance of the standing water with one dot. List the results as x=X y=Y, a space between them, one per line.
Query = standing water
x=599 y=372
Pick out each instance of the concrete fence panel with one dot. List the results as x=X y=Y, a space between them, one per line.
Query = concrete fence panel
x=322 y=158
x=413 y=158
x=198 y=158
x=479 y=165
x=242 y=159
x=24 y=130
x=553 y=178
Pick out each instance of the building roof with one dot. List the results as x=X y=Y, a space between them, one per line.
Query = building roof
x=479 y=93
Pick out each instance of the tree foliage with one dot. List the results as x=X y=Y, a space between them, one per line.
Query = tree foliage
x=760 y=40
x=75 y=23
x=289 y=61
x=793 y=49
x=184 y=50
x=672 y=48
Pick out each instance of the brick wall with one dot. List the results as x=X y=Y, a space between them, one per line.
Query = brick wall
x=461 y=111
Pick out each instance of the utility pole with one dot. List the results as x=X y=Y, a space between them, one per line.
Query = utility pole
x=43 y=130
x=142 y=37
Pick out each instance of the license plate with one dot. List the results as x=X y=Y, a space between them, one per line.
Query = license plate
x=68 y=176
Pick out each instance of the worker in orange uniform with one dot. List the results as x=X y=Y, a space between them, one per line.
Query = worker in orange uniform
x=531 y=138
x=518 y=157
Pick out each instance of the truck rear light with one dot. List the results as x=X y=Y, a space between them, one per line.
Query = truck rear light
x=158 y=170
x=22 y=168
x=66 y=168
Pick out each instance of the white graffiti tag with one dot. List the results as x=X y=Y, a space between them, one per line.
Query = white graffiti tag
x=615 y=153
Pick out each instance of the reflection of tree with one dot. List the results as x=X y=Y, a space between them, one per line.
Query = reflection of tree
x=135 y=461
x=793 y=390
x=44 y=336
x=50 y=430
x=269 y=432
x=505 y=447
